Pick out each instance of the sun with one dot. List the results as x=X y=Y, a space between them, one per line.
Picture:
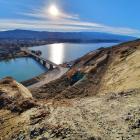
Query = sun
x=53 y=10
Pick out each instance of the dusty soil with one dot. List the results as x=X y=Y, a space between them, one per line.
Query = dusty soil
x=103 y=104
x=124 y=71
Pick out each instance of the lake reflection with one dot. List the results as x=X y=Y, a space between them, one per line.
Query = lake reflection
x=64 y=52
x=56 y=53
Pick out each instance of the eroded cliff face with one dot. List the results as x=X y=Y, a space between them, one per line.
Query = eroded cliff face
x=98 y=99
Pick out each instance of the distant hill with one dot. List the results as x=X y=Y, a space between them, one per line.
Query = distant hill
x=63 y=36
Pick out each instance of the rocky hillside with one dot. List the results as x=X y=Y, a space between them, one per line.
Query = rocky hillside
x=97 y=99
x=102 y=71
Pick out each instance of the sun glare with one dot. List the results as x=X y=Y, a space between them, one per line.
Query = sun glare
x=56 y=53
x=53 y=10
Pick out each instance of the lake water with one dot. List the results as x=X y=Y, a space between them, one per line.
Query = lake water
x=21 y=68
x=25 y=68
x=64 y=52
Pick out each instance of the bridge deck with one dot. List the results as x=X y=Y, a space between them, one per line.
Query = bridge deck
x=41 y=58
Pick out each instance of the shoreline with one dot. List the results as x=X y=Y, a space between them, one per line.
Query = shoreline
x=37 y=79
x=40 y=78
x=57 y=72
x=14 y=56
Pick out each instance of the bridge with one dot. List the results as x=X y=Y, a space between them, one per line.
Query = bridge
x=50 y=65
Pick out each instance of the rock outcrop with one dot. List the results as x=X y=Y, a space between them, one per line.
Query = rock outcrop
x=14 y=96
x=13 y=89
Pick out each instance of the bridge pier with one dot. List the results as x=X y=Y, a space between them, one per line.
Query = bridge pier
x=41 y=61
x=44 y=63
x=50 y=67
x=36 y=58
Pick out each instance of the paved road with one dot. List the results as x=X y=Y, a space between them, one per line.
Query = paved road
x=50 y=76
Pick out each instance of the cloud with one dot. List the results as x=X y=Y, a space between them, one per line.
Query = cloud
x=44 y=14
x=37 y=25
x=65 y=25
x=39 y=19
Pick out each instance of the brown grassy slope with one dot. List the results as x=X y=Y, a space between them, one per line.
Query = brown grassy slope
x=123 y=72
x=106 y=70
x=92 y=65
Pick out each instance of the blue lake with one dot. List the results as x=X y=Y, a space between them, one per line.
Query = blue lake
x=21 y=68
x=64 y=52
x=25 y=68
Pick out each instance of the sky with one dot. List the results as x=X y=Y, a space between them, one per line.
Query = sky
x=111 y=16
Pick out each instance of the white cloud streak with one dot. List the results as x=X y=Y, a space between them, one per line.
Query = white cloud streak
x=41 y=20
x=44 y=14
x=63 y=25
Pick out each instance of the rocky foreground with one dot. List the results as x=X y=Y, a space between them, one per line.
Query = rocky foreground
x=97 y=99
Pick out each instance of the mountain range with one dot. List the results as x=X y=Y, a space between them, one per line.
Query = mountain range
x=63 y=36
